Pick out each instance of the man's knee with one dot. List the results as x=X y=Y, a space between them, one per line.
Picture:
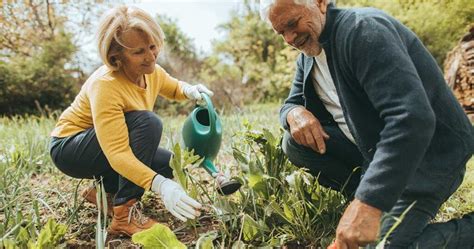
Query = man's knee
x=286 y=145
x=293 y=150
x=332 y=172
x=285 y=141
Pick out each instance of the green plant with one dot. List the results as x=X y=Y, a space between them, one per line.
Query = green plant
x=50 y=236
x=181 y=163
x=159 y=236
x=32 y=190
x=278 y=204
x=205 y=241
x=31 y=83
x=24 y=207
x=101 y=225
x=262 y=66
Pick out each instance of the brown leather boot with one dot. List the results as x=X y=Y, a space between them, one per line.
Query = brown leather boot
x=89 y=194
x=128 y=219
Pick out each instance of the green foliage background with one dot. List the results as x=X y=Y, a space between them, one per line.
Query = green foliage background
x=249 y=64
x=438 y=23
x=40 y=80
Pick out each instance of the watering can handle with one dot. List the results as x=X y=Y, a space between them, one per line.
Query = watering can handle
x=211 y=111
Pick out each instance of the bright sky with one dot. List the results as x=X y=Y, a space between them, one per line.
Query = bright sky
x=197 y=18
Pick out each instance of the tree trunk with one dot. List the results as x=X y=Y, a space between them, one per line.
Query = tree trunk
x=459 y=72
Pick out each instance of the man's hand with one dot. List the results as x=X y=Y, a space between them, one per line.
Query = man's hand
x=358 y=226
x=306 y=129
x=175 y=198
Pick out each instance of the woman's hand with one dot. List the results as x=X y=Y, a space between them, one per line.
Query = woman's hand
x=194 y=91
x=176 y=200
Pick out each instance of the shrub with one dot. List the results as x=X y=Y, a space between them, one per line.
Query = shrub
x=28 y=84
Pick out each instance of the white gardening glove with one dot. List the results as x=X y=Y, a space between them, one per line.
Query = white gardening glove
x=175 y=198
x=194 y=91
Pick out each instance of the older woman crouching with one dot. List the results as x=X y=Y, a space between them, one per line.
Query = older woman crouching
x=110 y=131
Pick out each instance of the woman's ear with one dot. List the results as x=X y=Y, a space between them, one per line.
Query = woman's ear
x=114 y=59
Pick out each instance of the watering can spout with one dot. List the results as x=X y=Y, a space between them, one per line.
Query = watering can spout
x=209 y=167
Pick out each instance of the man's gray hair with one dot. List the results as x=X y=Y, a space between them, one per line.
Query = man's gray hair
x=266 y=5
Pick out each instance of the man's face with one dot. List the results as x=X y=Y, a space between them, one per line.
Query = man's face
x=299 y=25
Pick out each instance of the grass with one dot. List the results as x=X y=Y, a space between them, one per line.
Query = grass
x=33 y=191
x=462 y=201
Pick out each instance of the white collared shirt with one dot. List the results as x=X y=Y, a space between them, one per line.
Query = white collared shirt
x=326 y=90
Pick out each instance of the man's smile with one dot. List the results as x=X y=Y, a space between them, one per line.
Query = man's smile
x=301 y=41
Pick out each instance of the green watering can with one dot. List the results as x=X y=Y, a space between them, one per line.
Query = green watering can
x=202 y=132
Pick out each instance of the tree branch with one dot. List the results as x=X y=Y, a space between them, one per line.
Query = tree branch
x=50 y=23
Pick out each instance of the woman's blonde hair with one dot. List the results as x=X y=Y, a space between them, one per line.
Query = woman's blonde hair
x=121 y=19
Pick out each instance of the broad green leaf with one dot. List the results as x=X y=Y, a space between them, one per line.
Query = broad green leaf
x=274 y=243
x=51 y=234
x=190 y=158
x=158 y=236
x=278 y=210
x=255 y=179
x=269 y=136
x=239 y=245
x=250 y=228
x=288 y=213
x=8 y=244
x=239 y=156
x=177 y=153
x=258 y=185
x=22 y=235
x=255 y=168
x=206 y=239
x=177 y=166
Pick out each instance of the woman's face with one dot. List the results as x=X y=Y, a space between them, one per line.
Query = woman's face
x=140 y=56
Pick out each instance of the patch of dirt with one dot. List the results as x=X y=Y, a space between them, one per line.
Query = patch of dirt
x=62 y=201
x=59 y=191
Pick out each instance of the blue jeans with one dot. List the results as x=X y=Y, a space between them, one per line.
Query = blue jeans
x=416 y=231
x=336 y=166
x=80 y=155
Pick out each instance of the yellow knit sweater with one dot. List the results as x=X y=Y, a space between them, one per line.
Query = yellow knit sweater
x=101 y=104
